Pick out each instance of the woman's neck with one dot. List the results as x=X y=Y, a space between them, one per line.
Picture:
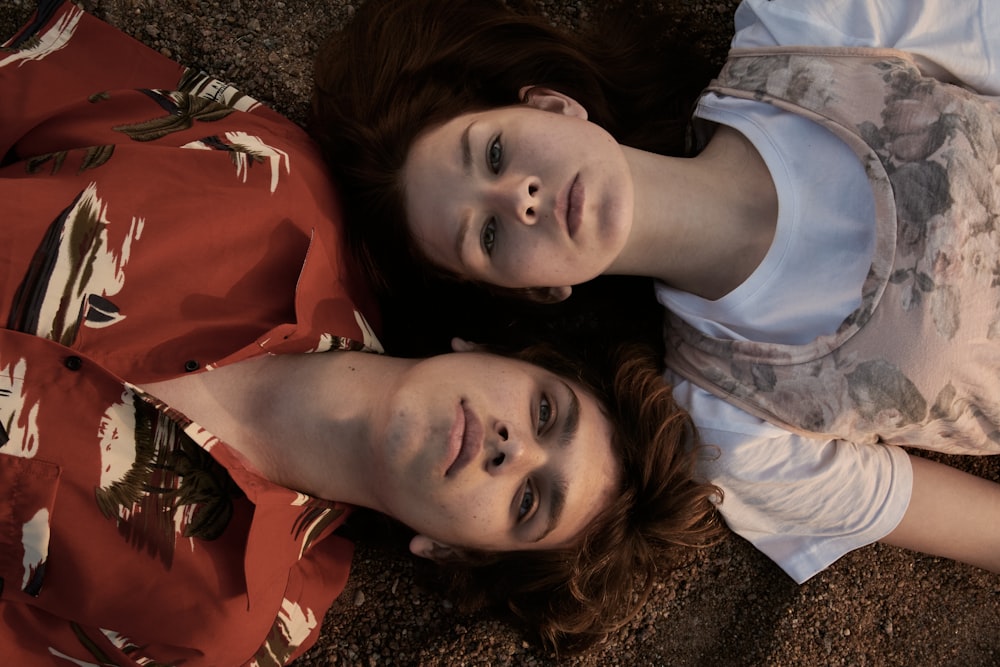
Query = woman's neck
x=701 y=224
x=302 y=421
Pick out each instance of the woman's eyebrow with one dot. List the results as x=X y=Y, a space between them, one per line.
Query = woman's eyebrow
x=466 y=149
x=463 y=229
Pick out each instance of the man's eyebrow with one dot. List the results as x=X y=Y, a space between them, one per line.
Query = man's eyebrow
x=466 y=149
x=572 y=418
x=557 y=501
x=571 y=421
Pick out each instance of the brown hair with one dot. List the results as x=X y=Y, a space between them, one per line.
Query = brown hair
x=403 y=66
x=574 y=597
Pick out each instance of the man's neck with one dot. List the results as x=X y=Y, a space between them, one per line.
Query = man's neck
x=303 y=421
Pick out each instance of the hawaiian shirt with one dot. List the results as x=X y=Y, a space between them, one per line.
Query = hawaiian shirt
x=155 y=222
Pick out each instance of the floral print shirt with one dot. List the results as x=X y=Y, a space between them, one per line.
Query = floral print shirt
x=916 y=362
x=155 y=222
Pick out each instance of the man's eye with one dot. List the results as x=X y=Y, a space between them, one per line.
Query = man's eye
x=527 y=501
x=489 y=235
x=494 y=155
x=544 y=413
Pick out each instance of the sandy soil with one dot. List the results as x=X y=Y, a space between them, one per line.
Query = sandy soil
x=729 y=605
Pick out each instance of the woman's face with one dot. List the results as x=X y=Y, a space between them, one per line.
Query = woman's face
x=487 y=452
x=532 y=195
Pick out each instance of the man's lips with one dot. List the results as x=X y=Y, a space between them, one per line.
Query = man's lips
x=465 y=439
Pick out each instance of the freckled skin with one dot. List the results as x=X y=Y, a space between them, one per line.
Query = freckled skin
x=479 y=505
x=545 y=146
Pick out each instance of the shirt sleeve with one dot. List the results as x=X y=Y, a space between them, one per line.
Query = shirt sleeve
x=961 y=38
x=803 y=502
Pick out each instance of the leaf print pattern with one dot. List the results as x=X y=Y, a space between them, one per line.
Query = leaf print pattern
x=882 y=392
x=41 y=46
x=19 y=437
x=157 y=483
x=200 y=84
x=371 y=341
x=93 y=157
x=920 y=118
x=35 y=540
x=245 y=150
x=819 y=395
x=34 y=165
x=90 y=645
x=183 y=109
x=293 y=626
x=18 y=413
x=917 y=362
x=317 y=515
x=126 y=645
x=120 y=452
x=161 y=494
x=133 y=650
x=329 y=342
x=73 y=263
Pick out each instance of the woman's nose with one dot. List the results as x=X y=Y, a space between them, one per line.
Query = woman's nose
x=521 y=198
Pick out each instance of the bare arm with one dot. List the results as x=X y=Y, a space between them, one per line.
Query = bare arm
x=951 y=514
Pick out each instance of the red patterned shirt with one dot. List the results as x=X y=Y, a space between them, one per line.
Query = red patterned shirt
x=155 y=222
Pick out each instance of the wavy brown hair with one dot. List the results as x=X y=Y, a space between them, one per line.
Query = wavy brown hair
x=404 y=66
x=574 y=597
x=401 y=67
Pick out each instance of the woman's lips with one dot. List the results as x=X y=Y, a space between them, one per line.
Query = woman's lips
x=574 y=206
x=465 y=438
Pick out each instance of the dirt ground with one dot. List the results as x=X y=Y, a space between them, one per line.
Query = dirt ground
x=729 y=606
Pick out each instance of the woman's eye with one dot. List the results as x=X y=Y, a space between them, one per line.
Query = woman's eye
x=544 y=413
x=489 y=235
x=527 y=501
x=494 y=155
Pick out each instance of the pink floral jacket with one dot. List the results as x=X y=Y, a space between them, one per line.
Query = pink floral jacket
x=918 y=362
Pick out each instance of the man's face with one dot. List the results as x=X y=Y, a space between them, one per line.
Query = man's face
x=486 y=452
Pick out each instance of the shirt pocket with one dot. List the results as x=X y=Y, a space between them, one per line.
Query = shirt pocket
x=27 y=495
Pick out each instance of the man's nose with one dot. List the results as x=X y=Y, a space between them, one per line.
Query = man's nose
x=508 y=452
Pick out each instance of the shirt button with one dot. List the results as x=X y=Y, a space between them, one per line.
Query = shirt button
x=191 y=365
x=73 y=362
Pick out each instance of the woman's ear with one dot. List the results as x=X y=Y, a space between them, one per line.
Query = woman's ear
x=548 y=294
x=462 y=345
x=547 y=99
x=425 y=547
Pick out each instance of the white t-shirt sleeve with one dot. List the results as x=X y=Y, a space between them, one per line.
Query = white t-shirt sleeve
x=960 y=36
x=803 y=502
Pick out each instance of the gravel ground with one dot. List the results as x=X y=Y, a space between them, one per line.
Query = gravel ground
x=729 y=606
